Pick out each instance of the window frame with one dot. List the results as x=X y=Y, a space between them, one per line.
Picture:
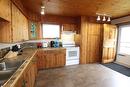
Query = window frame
x=51 y=24
x=119 y=38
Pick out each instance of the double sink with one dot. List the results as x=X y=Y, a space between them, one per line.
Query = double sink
x=8 y=67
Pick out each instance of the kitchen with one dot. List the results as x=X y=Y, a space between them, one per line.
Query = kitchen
x=64 y=43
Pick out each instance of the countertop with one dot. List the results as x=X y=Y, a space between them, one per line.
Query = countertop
x=27 y=55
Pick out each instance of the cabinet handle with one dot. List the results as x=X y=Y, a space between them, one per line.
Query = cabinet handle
x=24 y=83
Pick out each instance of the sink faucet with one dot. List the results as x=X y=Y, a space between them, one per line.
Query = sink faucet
x=4 y=66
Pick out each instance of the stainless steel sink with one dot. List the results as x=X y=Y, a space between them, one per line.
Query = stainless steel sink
x=5 y=74
x=13 y=63
x=8 y=67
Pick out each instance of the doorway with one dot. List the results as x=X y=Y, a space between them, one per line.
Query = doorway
x=123 y=49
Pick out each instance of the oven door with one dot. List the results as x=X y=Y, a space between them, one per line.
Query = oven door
x=72 y=53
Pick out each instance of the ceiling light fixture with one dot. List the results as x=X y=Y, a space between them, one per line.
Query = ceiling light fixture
x=103 y=17
x=42 y=9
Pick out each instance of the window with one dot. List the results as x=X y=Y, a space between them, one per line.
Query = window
x=51 y=31
x=124 y=40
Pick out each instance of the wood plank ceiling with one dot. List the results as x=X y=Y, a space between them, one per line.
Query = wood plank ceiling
x=115 y=8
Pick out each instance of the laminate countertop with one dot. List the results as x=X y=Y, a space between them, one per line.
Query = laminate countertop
x=27 y=56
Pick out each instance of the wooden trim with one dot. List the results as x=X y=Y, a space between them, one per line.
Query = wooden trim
x=120 y=16
x=11 y=24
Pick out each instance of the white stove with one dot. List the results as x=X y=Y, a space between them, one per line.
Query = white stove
x=72 y=55
x=72 y=52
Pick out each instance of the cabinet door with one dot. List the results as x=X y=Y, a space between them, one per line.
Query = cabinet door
x=5 y=29
x=19 y=25
x=29 y=75
x=109 y=43
x=41 y=59
x=55 y=58
x=20 y=82
x=60 y=58
x=69 y=27
x=5 y=9
x=50 y=59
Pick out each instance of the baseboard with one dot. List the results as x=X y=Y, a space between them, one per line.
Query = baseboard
x=122 y=64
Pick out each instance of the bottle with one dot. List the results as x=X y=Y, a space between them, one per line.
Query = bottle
x=56 y=43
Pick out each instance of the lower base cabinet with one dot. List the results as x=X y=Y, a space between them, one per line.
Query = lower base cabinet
x=51 y=58
x=29 y=76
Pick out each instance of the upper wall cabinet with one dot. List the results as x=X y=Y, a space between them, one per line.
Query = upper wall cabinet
x=5 y=10
x=19 y=25
x=70 y=27
x=5 y=29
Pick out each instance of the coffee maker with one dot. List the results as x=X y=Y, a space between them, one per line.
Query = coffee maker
x=52 y=43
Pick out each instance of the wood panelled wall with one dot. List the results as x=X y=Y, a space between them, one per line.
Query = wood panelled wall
x=59 y=19
x=67 y=23
x=91 y=41
x=38 y=30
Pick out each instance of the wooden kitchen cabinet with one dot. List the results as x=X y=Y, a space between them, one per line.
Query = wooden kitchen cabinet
x=19 y=25
x=70 y=27
x=5 y=9
x=16 y=27
x=51 y=58
x=28 y=77
x=5 y=29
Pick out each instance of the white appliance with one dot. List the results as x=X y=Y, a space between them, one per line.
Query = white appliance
x=72 y=55
x=72 y=52
x=45 y=44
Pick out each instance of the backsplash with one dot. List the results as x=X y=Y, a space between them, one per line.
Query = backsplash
x=5 y=48
x=28 y=45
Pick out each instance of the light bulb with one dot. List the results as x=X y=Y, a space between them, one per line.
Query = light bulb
x=98 y=18
x=109 y=19
x=104 y=18
x=42 y=11
x=42 y=7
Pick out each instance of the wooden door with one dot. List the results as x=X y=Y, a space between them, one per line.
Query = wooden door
x=109 y=43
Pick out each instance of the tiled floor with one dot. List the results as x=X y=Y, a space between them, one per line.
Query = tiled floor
x=89 y=75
